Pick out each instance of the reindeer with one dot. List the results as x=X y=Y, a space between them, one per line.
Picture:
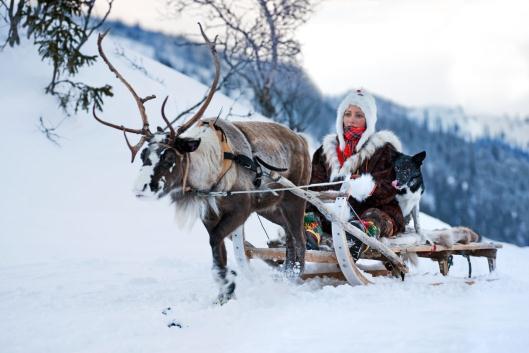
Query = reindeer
x=208 y=155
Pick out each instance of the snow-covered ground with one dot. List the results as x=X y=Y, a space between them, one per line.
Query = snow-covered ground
x=86 y=267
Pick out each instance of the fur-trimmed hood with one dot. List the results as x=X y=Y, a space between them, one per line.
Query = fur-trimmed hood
x=366 y=151
x=366 y=102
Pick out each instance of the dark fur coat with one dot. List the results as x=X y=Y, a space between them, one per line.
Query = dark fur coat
x=376 y=158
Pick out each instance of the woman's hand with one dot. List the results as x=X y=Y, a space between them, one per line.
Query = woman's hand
x=360 y=188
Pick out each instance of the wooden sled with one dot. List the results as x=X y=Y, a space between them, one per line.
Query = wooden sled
x=340 y=263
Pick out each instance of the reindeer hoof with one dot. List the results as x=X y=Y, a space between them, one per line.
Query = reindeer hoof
x=292 y=270
x=223 y=298
x=227 y=288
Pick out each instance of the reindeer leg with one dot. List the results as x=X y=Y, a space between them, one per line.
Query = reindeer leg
x=289 y=214
x=294 y=210
x=224 y=277
x=218 y=231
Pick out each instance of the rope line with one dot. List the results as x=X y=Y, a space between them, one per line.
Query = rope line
x=228 y=193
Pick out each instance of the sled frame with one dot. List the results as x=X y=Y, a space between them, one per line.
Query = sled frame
x=340 y=264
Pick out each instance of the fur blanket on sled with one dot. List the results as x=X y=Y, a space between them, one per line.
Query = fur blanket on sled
x=446 y=237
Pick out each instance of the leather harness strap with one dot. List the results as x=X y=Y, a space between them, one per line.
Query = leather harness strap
x=226 y=163
x=225 y=147
x=252 y=164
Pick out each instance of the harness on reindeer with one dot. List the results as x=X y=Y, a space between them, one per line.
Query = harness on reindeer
x=254 y=163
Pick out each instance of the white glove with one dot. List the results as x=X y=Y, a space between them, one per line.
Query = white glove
x=360 y=188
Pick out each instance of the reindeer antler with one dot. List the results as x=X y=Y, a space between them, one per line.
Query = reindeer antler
x=213 y=88
x=144 y=131
x=172 y=134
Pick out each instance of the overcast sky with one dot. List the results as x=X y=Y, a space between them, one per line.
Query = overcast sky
x=473 y=53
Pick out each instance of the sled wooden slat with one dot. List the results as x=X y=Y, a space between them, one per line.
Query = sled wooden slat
x=455 y=247
x=330 y=195
x=279 y=254
x=319 y=256
x=473 y=249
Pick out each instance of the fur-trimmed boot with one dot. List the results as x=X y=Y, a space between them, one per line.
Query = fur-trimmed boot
x=357 y=248
x=313 y=230
x=381 y=220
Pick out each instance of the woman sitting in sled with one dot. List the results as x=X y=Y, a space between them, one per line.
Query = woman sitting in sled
x=364 y=157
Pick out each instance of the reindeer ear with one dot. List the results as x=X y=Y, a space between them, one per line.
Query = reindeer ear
x=186 y=144
x=419 y=157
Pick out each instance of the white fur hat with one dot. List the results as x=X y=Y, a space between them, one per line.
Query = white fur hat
x=366 y=102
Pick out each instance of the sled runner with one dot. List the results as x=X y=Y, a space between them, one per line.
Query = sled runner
x=339 y=263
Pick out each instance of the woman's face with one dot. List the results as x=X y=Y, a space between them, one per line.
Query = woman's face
x=354 y=117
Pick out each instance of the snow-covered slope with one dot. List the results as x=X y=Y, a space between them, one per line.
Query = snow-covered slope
x=86 y=267
x=512 y=130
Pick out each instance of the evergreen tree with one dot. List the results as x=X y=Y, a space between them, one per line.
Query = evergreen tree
x=59 y=29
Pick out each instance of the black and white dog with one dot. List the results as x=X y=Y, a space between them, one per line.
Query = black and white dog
x=410 y=187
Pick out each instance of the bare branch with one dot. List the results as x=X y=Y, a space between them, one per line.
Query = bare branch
x=50 y=132
x=213 y=88
x=258 y=40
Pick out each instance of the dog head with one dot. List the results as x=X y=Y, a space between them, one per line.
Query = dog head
x=408 y=176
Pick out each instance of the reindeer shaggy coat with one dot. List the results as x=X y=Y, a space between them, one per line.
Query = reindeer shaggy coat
x=273 y=143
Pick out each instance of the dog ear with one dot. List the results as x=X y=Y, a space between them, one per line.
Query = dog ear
x=186 y=144
x=419 y=157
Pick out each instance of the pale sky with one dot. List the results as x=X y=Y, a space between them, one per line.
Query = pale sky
x=473 y=53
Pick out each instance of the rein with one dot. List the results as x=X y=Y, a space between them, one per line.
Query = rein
x=229 y=193
x=186 y=172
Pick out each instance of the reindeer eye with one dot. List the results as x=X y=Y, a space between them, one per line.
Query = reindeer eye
x=169 y=157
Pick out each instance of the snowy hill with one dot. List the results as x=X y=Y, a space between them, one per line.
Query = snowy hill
x=86 y=267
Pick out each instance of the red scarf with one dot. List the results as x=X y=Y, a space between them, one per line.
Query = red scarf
x=351 y=137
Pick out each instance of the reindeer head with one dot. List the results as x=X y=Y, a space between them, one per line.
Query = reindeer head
x=165 y=159
x=165 y=163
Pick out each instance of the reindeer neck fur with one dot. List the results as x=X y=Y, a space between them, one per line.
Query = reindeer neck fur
x=205 y=164
x=351 y=165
